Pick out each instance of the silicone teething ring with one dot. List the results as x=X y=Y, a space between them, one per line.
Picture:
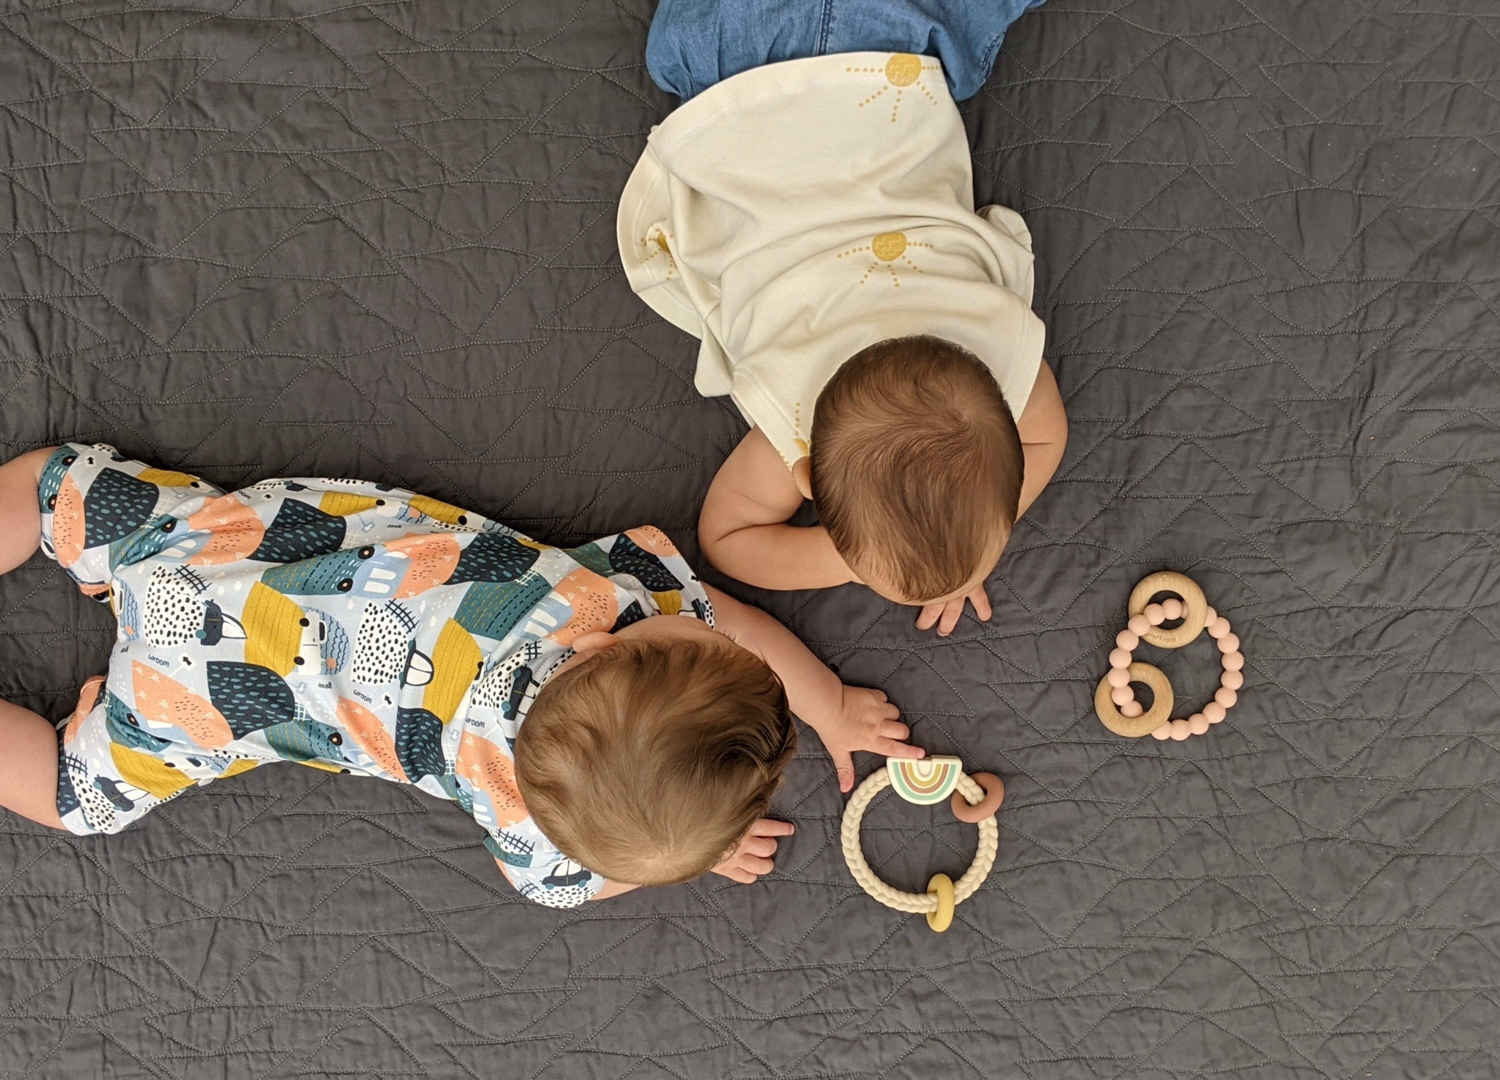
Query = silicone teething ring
x=1114 y=699
x=1193 y=619
x=994 y=794
x=1146 y=723
x=926 y=903
x=941 y=887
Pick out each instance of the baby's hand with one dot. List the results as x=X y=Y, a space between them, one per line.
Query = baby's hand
x=867 y=721
x=946 y=615
x=751 y=857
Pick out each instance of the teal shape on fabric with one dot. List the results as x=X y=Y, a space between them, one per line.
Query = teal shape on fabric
x=494 y=557
x=125 y=729
x=628 y=557
x=492 y=610
x=117 y=504
x=249 y=696
x=305 y=739
x=300 y=531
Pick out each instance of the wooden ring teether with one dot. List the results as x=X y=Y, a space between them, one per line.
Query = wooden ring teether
x=1193 y=619
x=1133 y=727
x=994 y=795
x=1114 y=699
x=925 y=782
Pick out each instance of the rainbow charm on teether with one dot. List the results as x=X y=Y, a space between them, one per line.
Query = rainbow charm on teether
x=926 y=780
x=974 y=799
x=1114 y=700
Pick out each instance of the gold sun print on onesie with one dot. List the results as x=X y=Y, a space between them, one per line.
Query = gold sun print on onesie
x=658 y=245
x=902 y=72
x=888 y=248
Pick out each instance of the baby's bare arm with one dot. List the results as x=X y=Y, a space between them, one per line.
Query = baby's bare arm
x=1043 y=427
x=743 y=526
x=846 y=718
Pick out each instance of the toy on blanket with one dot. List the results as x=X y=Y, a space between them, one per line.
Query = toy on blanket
x=1114 y=700
x=974 y=799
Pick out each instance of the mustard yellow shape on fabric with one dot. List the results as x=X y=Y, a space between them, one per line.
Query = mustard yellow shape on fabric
x=455 y=665
x=273 y=629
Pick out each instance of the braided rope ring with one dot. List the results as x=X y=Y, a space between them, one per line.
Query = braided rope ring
x=950 y=777
x=1114 y=699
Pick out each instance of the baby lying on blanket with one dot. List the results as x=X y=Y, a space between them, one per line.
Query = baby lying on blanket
x=811 y=218
x=608 y=719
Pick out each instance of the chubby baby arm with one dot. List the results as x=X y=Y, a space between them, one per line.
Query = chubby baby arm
x=743 y=526
x=846 y=718
x=1043 y=428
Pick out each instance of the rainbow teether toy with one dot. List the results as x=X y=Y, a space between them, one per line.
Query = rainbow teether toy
x=974 y=799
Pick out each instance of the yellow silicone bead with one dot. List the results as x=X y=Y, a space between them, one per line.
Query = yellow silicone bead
x=941 y=886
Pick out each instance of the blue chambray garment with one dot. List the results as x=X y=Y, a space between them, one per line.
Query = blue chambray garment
x=696 y=43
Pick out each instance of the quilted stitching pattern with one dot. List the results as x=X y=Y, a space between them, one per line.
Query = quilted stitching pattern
x=376 y=240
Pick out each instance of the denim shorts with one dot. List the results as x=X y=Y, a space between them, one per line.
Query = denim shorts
x=696 y=43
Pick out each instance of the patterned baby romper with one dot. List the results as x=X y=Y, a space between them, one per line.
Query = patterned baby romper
x=336 y=623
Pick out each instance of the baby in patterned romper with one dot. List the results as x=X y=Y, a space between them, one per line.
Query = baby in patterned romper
x=607 y=719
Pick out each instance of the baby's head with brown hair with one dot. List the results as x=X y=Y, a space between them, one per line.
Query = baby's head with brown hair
x=916 y=468
x=647 y=761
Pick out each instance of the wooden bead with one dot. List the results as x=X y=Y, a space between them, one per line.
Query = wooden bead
x=1181 y=730
x=1164 y=732
x=1218 y=628
x=1119 y=658
x=1226 y=697
x=1229 y=643
x=1131 y=709
x=1135 y=727
x=1214 y=712
x=1173 y=583
x=1117 y=677
x=1155 y=614
x=1198 y=723
x=1232 y=680
x=1234 y=661
x=1139 y=624
x=1127 y=640
x=1173 y=608
x=1122 y=695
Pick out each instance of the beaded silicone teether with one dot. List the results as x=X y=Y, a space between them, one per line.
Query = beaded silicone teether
x=930 y=780
x=1114 y=700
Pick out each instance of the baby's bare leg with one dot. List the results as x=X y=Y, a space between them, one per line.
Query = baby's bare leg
x=20 y=517
x=28 y=765
x=28 y=760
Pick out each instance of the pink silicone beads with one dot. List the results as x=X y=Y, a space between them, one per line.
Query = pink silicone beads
x=1230 y=681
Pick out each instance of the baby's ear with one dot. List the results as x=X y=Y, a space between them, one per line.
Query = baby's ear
x=802 y=476
x=595 y=641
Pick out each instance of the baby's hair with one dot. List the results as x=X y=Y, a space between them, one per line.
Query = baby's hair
x=916 y=464
x=649 y=761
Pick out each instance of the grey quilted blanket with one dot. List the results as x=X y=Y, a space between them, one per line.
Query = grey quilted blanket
x=271 y=237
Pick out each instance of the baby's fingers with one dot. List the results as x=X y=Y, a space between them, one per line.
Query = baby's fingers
x=734 y=873
x=771 y=827
x=754 y=864
x=895 y=749
x=893 y=729
x=929 y=616
x=951 y=614
x=759 y=845
x=981 y=601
